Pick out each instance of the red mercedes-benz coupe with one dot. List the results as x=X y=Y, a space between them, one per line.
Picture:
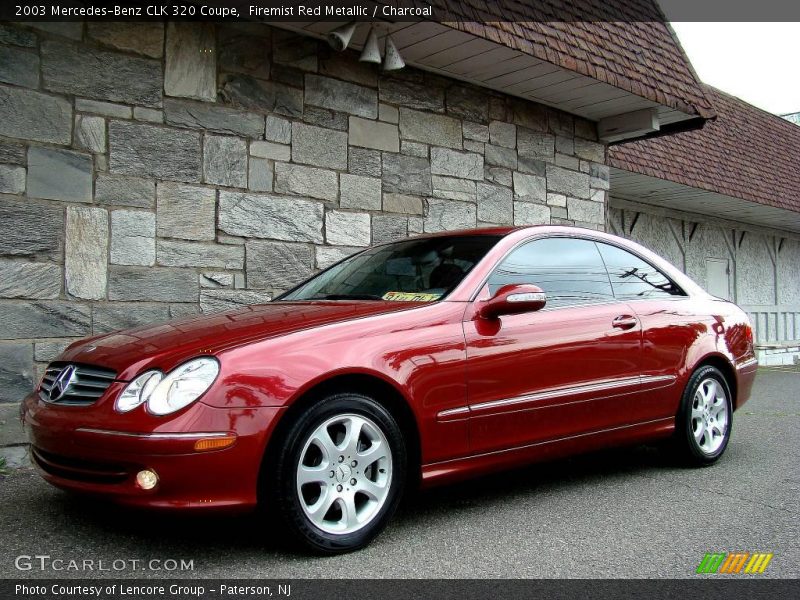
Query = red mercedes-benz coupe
x=421 y=361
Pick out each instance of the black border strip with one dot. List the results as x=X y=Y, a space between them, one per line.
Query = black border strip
x=508 y=11
x=707 y=587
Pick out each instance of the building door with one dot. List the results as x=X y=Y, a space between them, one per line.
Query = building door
x=718 y=277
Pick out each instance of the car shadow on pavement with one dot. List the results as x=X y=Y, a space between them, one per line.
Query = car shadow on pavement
x=552 y=476
x=166 y=529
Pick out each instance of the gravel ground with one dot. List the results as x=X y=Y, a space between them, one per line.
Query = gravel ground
x=622 y=513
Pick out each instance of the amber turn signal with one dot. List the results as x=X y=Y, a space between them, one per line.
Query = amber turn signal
x=216 y=443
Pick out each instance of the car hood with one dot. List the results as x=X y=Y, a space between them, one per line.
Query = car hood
x=165 y=344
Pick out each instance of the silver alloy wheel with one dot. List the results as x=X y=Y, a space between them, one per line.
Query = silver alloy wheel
x=344 y=473
x=710 y=416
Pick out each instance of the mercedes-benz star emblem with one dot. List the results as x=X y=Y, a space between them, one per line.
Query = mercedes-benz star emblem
x=60 y=386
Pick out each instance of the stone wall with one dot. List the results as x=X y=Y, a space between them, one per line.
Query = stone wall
x=149 y=172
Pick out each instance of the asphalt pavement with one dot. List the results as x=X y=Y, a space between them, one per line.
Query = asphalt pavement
x=622 y=513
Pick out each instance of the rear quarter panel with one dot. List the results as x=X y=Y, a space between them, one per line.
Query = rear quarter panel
x=680 y=335
x=732 y=335
x=736 y=342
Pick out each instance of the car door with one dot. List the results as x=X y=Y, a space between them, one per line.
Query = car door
x=569 y=368
x=669 y=324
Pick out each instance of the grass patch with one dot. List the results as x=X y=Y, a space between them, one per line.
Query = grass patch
x=3 y=467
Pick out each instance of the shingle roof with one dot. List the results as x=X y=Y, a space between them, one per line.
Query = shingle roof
x=625 y=43
x=745 y=153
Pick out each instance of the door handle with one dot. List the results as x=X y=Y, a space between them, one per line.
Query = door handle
x=624 y=322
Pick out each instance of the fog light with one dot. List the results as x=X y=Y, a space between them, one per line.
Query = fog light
x=146 y=479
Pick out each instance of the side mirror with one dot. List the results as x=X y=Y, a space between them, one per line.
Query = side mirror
x=513 y=299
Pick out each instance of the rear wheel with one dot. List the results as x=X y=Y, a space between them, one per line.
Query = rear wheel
x=339 y=474
x=706 y=416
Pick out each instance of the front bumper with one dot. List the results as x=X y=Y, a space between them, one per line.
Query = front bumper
x=75 y=448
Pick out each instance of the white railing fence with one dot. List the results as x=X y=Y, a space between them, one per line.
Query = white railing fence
x=774 y=324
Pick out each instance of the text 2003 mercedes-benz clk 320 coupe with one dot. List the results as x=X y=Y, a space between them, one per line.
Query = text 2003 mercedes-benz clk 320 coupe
x=425 y=360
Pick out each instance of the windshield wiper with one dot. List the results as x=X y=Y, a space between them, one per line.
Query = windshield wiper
x=345 y=297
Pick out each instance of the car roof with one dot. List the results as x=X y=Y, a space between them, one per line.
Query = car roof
x=505 y=230
x=501 y=231
x=510 y=236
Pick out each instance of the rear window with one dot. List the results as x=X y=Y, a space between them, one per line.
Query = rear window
x=633 y=278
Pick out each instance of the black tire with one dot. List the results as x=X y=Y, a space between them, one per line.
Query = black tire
x=688 y=448
x=280 y=480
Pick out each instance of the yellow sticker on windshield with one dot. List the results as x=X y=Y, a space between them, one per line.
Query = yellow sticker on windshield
x=410 y=297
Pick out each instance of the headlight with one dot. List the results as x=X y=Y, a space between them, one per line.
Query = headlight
x=138 y=390
x=183 y=385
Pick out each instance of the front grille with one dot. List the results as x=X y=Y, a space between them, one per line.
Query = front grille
x=78 y=469
x=80 y=386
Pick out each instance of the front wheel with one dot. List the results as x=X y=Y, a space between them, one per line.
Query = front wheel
x=704 y=421
x=340 y=473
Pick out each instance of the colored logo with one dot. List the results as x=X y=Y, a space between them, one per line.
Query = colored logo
x=734 y=562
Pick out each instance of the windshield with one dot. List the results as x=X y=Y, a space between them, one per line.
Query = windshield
x=420 y=270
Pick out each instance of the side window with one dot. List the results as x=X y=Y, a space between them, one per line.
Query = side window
x=634 y=279
x=570 y=271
